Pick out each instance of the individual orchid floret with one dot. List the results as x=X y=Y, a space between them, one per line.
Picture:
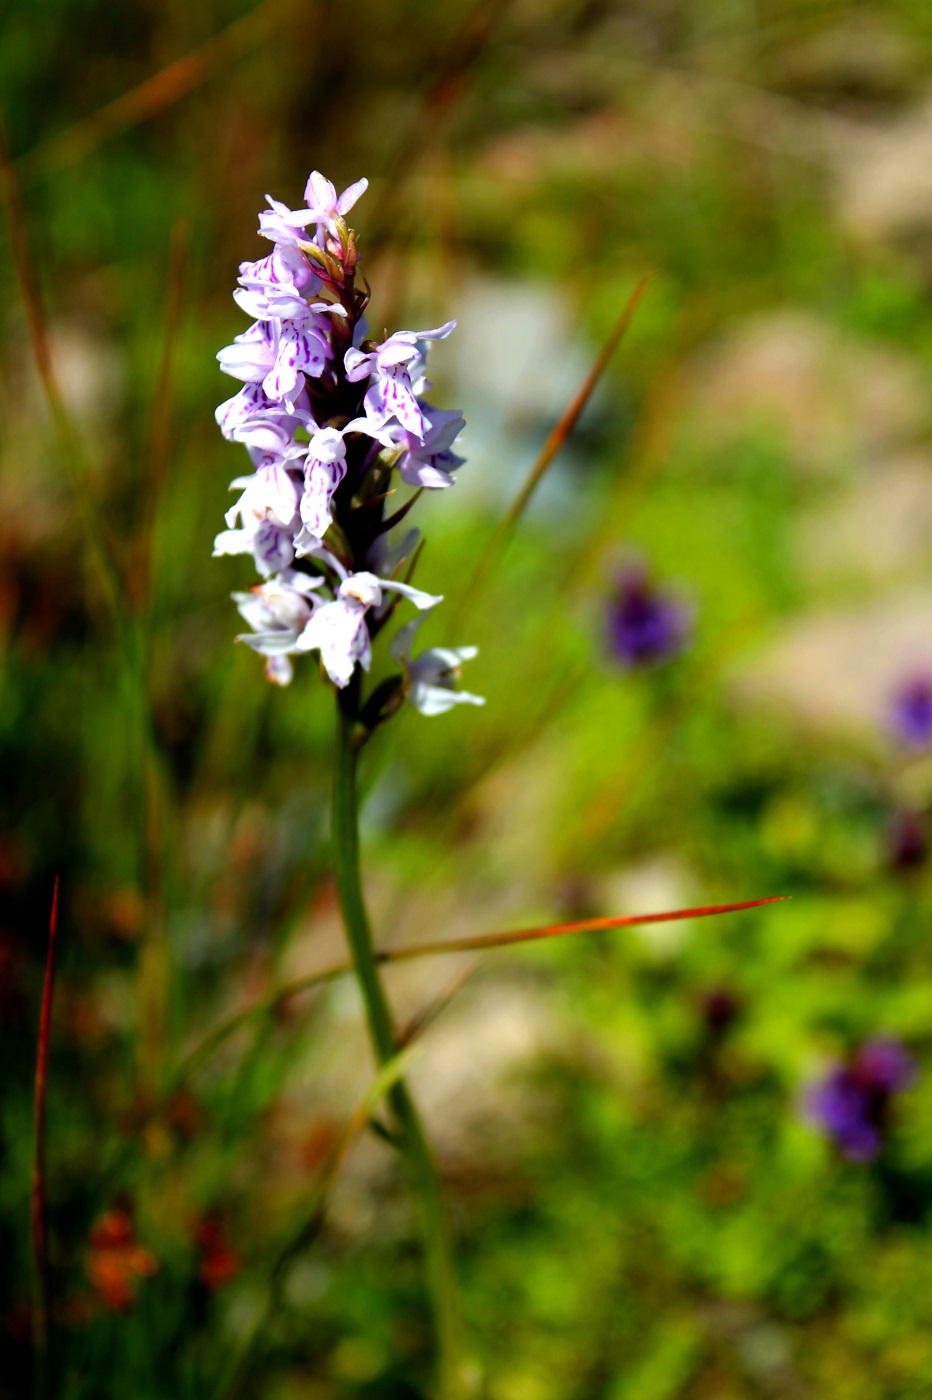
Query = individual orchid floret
x=324 y=469
x=269 y=494
x=389 y=366
x=252 y=405
x=278 y=355
x=271 y=287
x=271 y=437
x=271 y=547
x=429 y=462
x=266 y=511
x=282 y=225
x=326 y=207
x=278 y=611
x=338 y=630
x=433 y=675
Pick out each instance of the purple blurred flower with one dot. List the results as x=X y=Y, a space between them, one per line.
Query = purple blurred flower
x=907 y=840
x=646 y=625
x=720 y=1008
x=851 y=1102
x=911 y=712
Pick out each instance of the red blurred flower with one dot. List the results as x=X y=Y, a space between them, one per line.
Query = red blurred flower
x=219 y=1263
x=117 y=1261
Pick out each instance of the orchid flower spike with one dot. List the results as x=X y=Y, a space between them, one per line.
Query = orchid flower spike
x=329 y=419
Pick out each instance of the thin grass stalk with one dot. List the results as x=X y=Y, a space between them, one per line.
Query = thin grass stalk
x=156 y=93
x=38 y=1222
x=311 y=1224
x=37 y=327
x=428 y=119
x=154 y=966
x=554 y=443
x=413 y=1145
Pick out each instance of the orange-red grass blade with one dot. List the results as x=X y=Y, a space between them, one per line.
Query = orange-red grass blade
x=221 y=1033
x=40 y=1254
x=155 y=93
x=531 y=935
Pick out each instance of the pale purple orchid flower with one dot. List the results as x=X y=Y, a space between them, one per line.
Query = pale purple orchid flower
x=252 y=405
x=325 y=206
x=429 y=463
x=324 y=469
x=432 y=676
x=267 y=506
x=282 y=225
x=278 y=355
x=278 y=611
x=268 y=436
x=390 y=366
x=271 y=547
x=271 y=287
x=269 y=494
x=338 y=630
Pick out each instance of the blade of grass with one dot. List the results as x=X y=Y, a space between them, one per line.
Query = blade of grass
x=471 y=944
x=154 y=94
x=436 y=103
x=129 y=628
x=556 y=440
x=37 y=328
x=39 y=1234
x=428 y=1014
x=154 y=966
x=160 y=444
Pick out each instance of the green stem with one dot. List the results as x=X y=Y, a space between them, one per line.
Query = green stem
x=422 y=1172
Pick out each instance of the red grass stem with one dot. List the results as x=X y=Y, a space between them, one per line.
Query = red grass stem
x=40 y=1253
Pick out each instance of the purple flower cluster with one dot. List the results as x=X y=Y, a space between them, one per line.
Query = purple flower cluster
x=646 y=625
x=911 y=712
x=851 y=1102
x=328 y=417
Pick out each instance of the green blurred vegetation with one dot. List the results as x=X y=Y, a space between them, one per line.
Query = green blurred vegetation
x=640 y=1213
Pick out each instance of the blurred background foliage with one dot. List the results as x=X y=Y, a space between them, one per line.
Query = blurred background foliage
x=640 y=1211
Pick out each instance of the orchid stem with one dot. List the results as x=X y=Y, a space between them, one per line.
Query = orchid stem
x=422 y=1171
